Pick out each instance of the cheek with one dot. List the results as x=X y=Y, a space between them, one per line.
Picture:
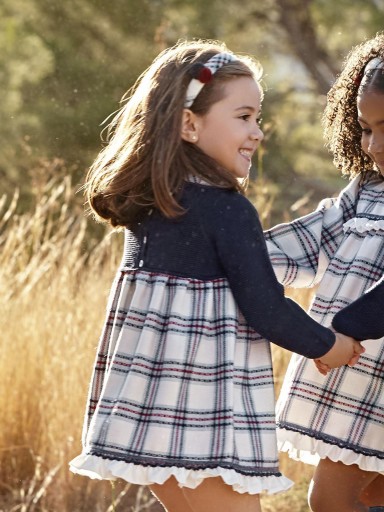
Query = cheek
x=364 y=142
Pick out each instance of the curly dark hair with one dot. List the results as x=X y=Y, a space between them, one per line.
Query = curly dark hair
x=341 y=128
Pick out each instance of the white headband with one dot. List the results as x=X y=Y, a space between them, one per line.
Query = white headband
x=375 y=63
x=204 y=75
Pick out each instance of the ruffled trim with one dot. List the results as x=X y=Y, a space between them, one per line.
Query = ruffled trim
x=309 y=450
x=102 y=469
x=362 y=225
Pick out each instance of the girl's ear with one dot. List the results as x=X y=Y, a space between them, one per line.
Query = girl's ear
x=189 y=126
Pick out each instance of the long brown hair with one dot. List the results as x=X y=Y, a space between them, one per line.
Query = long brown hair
x=146 y=162
x=341 y=128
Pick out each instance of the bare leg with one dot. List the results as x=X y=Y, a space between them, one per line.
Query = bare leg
x=373 y=494
x=211 y=495
x=337 y=487
x=214 y=495
x=171 y=496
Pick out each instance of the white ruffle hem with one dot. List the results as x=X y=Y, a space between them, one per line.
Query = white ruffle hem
x=309 y=450
x=103 y=469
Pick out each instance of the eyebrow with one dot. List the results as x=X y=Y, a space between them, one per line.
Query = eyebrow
x=247 y=107
x=360 y=119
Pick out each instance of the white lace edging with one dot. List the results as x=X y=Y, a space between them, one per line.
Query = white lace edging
x=309 y=450
x=103 y=469
x=362 y=225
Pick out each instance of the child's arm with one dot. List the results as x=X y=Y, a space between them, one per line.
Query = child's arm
x=364 y=318
x=300 y=250
x=244 y=256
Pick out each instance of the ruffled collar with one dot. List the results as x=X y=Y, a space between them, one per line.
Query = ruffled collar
x=364 y=224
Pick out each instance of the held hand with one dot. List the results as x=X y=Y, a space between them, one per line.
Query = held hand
x=358 y=348
x=346 y=350
x=323 y=368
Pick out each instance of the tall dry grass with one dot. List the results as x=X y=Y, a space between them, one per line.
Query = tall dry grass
x=53 y=286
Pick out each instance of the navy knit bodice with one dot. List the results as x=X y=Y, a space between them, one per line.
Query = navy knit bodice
x=220 y=236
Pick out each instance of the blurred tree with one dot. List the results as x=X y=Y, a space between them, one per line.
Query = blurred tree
x=296 y=18
x=99 y=49
x=65 y=65
x=301 y=44
x=24 y=63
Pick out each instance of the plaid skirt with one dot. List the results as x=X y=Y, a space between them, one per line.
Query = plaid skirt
x=181 y=386
x=341 y=246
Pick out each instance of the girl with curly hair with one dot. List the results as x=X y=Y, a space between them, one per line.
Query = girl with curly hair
x=336 y=420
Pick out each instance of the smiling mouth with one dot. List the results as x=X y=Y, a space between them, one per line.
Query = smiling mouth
x=246 y=153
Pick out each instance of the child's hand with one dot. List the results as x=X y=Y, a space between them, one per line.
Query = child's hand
x=323 y=368
x=346 y=350
x=358 y=350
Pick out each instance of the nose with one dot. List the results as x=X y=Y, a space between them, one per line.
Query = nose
x=257 y=134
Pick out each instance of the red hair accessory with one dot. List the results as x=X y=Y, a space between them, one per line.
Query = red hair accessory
x=201 y=73
x=204 y=75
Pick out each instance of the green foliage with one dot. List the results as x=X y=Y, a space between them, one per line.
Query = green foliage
x=65 y=65
x=24 y=62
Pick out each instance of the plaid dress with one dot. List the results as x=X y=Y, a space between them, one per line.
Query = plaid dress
x=182 y=385
x=340 y=247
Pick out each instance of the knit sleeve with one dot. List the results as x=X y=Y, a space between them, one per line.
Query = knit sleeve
x=363 y=319
x=243 y=254
x=300 y=250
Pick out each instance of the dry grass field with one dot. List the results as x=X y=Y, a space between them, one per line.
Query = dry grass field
x=53 y=287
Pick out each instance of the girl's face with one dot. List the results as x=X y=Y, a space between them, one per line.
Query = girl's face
x=370 y=107
x=230 y=131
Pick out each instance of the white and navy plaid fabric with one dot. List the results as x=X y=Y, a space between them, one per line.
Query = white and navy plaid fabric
x=218 y=60
x=340 y=247
x=182 y=387
x=214 y=63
